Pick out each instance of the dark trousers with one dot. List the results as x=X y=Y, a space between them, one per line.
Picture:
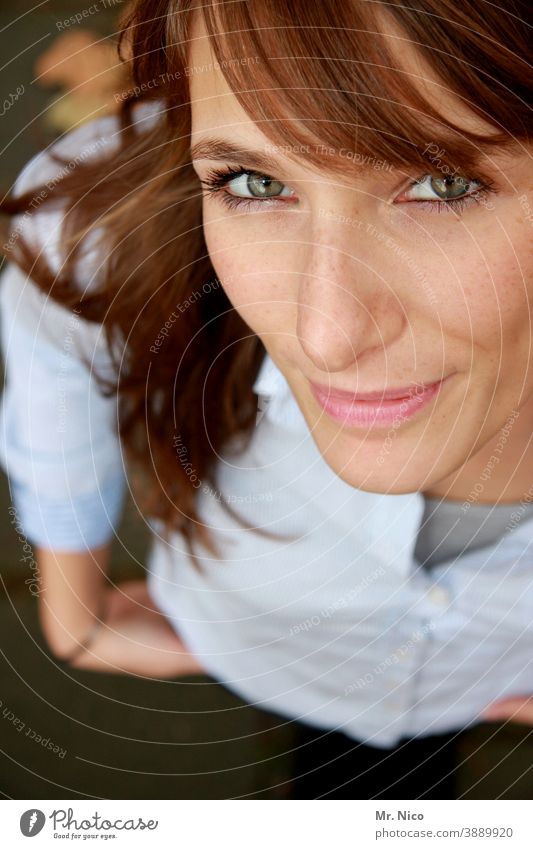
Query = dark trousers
x=330 y=765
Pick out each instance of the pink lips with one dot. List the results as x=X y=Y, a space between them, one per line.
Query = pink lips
x=382 y=407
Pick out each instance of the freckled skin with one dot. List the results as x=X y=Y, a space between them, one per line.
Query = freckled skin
x=347 y=288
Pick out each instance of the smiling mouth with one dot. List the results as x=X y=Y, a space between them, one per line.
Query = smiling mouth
x=376 y=394
x=376 y=407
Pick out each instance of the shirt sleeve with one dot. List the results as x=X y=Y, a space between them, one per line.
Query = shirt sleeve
x=58 y=440
x=59 y=444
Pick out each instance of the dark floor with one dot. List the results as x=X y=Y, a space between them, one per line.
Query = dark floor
x=74 y=734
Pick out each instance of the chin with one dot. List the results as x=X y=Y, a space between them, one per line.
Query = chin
x=391 y=478
x=385 y=484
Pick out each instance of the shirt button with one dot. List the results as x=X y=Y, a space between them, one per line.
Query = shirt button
x=440 y=596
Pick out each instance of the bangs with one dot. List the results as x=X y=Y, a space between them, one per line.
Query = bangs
x=335 y=85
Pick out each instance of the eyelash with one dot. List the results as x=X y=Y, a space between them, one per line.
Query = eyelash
x=457 y=205
x=217 y=179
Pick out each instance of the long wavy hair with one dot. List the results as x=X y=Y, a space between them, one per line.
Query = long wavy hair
x=321 y=74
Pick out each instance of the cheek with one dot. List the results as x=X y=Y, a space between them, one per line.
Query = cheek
x=253 y=273
x=498 y=304
x=483 y=293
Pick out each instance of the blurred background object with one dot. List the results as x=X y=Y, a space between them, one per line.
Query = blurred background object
x=85 y=68
x=60 y=55
x=74 y=734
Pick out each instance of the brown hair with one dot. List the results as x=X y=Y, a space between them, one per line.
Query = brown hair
x=323 y=73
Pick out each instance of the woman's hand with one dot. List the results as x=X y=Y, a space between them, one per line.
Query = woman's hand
x=136 y=639
x=514 y=708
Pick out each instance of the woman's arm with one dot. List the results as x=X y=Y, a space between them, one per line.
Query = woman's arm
x=60 y=449
x=70 y=599
x=133 y=638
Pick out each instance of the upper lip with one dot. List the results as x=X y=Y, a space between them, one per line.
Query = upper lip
x=376 y=394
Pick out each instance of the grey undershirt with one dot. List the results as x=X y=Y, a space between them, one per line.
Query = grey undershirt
x=447 y=529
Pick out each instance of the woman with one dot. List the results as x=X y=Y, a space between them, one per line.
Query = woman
x=307 y=244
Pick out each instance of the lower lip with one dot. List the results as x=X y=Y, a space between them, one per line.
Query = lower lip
x=351 y=412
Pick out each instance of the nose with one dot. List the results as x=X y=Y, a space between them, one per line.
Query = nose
x=347 y=309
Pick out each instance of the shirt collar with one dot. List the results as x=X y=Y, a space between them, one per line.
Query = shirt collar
x=392 y=521
x=400 y=515
x=276 y=401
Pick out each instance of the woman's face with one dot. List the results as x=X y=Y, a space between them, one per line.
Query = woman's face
x=367 y=284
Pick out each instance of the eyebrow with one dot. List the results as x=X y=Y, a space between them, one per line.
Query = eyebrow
x=222 y=150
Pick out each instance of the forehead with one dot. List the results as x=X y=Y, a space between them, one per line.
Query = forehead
x=215 y=106
x=213 y=103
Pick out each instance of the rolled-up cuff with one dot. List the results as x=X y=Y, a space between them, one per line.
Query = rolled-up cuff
x=84 y=522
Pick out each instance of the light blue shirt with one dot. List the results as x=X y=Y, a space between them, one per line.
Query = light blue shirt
x=58 y=441
x=337 y=625
x=58 y=444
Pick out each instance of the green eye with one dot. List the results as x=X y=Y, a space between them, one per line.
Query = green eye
x=261 y=186
x=437 y=189
x=449 y=187
x=251 y=184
